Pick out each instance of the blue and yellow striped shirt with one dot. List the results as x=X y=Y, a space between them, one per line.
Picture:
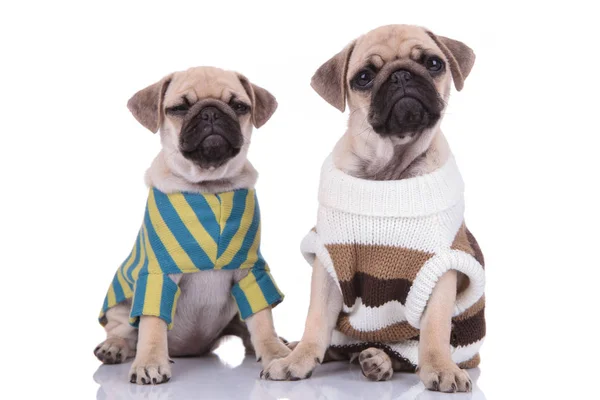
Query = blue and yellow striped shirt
x=186 y=233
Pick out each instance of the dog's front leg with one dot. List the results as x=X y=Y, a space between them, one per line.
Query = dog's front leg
x=266 y=343
x=436 y=368
x=151 y=364
x=324 y=309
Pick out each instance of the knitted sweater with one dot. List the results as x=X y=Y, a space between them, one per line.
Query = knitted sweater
x=187 y=233
x=385 y=244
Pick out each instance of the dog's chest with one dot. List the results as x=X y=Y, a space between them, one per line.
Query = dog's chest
x=204 y=308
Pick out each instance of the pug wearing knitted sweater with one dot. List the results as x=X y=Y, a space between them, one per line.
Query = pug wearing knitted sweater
x=398 y=279
x=195 y=273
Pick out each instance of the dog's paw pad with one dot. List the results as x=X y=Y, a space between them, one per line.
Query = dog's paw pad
x=296 y=366
x=153 y=373
x=447 y=378
x=112 y=351
x=376 y=365
x=269 y=351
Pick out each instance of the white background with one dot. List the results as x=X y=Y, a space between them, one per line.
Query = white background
x=524 y=131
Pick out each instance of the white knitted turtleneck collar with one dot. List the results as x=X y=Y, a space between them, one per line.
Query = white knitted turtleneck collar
x=413 y=197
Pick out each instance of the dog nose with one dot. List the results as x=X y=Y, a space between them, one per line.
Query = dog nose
x=210 y=114
x=401 y=76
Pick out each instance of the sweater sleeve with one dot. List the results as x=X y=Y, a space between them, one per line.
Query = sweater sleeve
x=256 y=291
x=156 y=295
x=432 y=271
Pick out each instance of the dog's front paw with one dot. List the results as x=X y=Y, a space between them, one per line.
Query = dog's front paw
x=298 y=365
x=150 y=371
x=268 y=351
x=113 y=350
x=445 y=378
x=376 y=365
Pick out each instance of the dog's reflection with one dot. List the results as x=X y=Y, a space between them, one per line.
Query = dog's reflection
x=229 y=375
x=208 y=377
x=342 y=381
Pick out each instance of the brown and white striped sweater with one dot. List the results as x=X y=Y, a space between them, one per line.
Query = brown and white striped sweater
x=386 y=243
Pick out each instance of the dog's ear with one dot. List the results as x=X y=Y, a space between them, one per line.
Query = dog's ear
x=330 y=79
x=264 y=103
x=459 y=55
x=146 y=105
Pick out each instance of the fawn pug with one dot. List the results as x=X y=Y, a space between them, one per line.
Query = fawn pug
x=196 y=266
x=397 y=279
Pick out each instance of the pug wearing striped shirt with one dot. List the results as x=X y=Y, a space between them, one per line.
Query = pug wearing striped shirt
x=195 y=273
x=398 y=279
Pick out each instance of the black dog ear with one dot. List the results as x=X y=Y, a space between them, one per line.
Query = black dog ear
x=264 y=103
x=146 y=105
x=330 y=79
x=460 y=57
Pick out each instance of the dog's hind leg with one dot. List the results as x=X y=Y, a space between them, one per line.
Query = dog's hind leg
x=121 y=337
x=376 y=365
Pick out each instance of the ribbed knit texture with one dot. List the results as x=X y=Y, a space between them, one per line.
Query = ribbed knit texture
x=386 y=244
x=189 y=233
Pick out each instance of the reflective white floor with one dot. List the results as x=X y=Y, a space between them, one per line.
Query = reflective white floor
x=230 y=376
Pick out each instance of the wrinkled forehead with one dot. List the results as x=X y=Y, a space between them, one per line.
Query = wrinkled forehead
x=387 y=44
x=205 y=82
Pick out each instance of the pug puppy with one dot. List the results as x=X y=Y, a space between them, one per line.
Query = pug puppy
x=205 y=117
x=396 y=81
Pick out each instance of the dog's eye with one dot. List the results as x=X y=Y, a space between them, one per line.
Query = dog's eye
x=434 y=64
x=240 y=108
x=181 y=109
x=363 y=79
